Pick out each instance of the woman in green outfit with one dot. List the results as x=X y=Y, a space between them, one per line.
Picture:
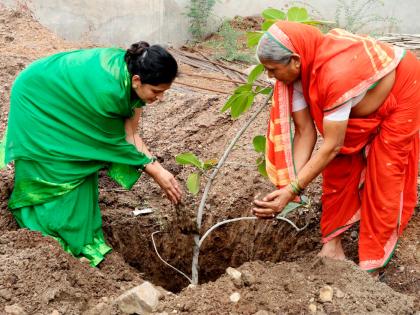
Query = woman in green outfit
x=72 y=114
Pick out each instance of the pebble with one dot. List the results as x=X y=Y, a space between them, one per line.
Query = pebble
x=312 y=308
x=326 y=294
x=248 y=278
x=235 y=297
x=339 y=293
x=233 y=273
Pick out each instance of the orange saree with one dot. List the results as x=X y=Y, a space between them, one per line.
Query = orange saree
x=373 y=179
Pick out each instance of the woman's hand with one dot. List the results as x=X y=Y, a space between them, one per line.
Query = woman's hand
x=273 y=203
x=165 y=180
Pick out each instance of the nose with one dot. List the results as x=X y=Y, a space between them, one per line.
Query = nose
x=270 y=74
x=160 y=97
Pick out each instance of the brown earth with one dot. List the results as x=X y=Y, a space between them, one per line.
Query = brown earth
x=39 y=277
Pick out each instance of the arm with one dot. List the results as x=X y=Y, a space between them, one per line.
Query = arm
x=334 y=134
x=159 y=174
x=304 y=139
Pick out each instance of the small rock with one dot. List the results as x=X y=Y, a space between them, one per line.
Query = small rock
x=141 y=299
x=326 y=294
x=235 y=297
x=233 y=273
x=339 y=293
x=14 y=309
x=401 y=269
x=311 y=300
x=248 y=278
x=55 y=312
x=312 y=308
x=6 y=294
x=262 y=312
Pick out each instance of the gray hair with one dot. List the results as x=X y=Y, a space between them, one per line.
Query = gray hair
x=270 y=50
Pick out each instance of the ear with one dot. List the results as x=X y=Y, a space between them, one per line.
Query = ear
x=296 y=61
x=135 y=81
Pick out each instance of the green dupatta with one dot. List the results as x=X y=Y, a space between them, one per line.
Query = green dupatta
x=66 y=121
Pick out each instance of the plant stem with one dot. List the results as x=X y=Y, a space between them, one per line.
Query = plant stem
x=196 y=250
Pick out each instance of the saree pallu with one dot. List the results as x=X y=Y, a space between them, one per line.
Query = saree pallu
x=66 y=122
x=375 y=181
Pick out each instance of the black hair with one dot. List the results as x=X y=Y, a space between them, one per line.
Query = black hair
x=153 y=64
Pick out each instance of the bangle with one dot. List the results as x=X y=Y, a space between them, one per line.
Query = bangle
x=296 y=188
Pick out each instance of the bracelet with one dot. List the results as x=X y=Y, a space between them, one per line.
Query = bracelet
x=296 y=188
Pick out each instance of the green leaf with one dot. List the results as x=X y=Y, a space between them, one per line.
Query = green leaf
x=266 y=24
x=193 y=183
x=259 y=144
x=264 y=91
x=189 y=158
x=297 y=14
x=253 y=38
x=304 y=200
x=262 y=170
x=208 y=164
x=273 y=14
x=319 y=22
x=289 y=208
x=242 y=104
x=246 y=88
x=255 y=73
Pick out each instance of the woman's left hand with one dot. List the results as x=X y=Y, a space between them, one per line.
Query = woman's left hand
x=273 y=203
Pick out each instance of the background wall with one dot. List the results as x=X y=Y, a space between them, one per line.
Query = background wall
x=121 y=22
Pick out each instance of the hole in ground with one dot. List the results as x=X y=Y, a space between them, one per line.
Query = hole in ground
x=230 y=245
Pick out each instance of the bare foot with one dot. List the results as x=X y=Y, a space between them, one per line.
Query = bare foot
x=333 y=249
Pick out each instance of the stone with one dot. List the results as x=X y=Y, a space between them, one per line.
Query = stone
x=340 y=294
x=233 y=273
x=142 y=299
x=312 y=308
x=263 y=312
x=235 y=297
x=6 y=294
x=55 y=312
x=326 y=294
x=14 y=309
x=84 y=260
x=248 y=278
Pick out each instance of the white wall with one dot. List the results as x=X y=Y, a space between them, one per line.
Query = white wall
x=121 y=22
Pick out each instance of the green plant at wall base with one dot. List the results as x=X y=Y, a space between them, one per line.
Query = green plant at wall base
x=229 y=45
x=198 y=13
x=193 y=181
x=355 y=16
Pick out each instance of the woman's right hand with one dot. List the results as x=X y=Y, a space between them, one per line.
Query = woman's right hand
x=165 y=180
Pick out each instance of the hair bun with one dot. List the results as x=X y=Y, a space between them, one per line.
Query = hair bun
x=138 y=48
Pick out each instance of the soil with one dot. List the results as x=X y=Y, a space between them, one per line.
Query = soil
x=282 y=273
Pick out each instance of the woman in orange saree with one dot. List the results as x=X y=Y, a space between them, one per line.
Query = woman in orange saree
x=364 y=98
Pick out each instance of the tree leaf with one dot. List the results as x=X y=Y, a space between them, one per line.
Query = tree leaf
x=246 y=88
x=259 y=144
x=266 y=24
x=273 y=14
x=319 y=22
x=189 y=158
x=297 y=14
x=289 y=208
x=253 y=38
x=255 y=73
x=242 y=104
x=193 y=183
x=262 y=170
x=208 y=164
x=265 y=91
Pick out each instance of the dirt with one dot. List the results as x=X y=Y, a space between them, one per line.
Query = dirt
x=39 y=277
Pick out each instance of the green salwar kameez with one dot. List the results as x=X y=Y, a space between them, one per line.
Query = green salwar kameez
x=66 y=122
